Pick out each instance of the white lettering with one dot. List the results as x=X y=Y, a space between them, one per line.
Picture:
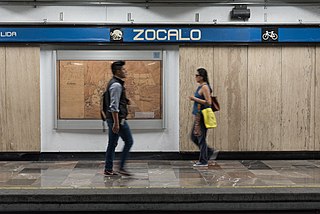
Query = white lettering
x=8 y=34
x=173 y=33
x=164 y=32
x=197 y=32
x=169 y=35
x=148 y=32
x=180 y=36
x=137 y=37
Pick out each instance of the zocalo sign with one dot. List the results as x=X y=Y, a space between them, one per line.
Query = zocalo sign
x=170 y=34
x=166 y=35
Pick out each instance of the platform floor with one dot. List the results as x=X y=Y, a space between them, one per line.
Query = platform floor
x=161 y=185
x=158 y=173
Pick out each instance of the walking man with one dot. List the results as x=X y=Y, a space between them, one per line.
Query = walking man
x=116 y=111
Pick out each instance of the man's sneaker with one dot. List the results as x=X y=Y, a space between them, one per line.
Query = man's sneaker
x=124 y=172
x=200 y=164
x=109 y=173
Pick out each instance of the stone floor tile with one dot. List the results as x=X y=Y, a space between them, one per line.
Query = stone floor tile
x=162 y=174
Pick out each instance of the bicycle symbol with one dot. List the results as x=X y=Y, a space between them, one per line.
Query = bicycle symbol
x=269 y=34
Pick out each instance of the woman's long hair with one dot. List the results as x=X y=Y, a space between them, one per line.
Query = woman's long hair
x=203 y=72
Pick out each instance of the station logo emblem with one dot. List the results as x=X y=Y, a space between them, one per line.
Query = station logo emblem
x=116 y=35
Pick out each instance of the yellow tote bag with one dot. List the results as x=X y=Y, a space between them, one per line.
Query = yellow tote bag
x=209 y=118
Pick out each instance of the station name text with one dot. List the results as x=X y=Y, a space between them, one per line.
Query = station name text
x=166 y=35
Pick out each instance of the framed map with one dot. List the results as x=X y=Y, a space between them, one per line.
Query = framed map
x=81 y=84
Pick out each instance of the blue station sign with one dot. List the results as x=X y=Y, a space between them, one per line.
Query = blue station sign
x=54 y=34
x=158 y=34
x=191 y=35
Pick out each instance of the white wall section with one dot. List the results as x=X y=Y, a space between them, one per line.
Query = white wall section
x=166 y=140
x=157 y=15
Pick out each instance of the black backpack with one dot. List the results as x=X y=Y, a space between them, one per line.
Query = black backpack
x=104 y=107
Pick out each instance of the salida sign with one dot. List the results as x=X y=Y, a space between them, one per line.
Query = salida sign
x=8 y=34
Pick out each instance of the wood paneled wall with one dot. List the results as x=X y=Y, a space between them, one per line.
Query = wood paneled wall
x=270 y=97
x=317 y=102
x=298 y=71
x=264 y=99
x=202 y=57
x=3 y=113
x=230 y=68
x=20 y=99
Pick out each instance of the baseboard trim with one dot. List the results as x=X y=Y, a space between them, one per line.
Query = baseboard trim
x=56 y=156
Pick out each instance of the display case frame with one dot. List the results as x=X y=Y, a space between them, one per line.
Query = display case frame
x=94 y=124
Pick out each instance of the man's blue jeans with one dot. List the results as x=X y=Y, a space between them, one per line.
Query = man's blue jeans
x=125 y=134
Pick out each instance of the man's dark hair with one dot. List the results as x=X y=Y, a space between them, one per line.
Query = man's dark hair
x=117 y=65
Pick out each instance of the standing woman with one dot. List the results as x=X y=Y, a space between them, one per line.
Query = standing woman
x=202 y=100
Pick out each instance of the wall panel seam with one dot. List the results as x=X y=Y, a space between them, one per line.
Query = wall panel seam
x=314 y=98
x=247 y=101
x=214 y=93
x=281 y=98
x=6 y=99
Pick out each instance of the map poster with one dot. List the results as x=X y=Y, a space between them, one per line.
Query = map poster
x=82 y=83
